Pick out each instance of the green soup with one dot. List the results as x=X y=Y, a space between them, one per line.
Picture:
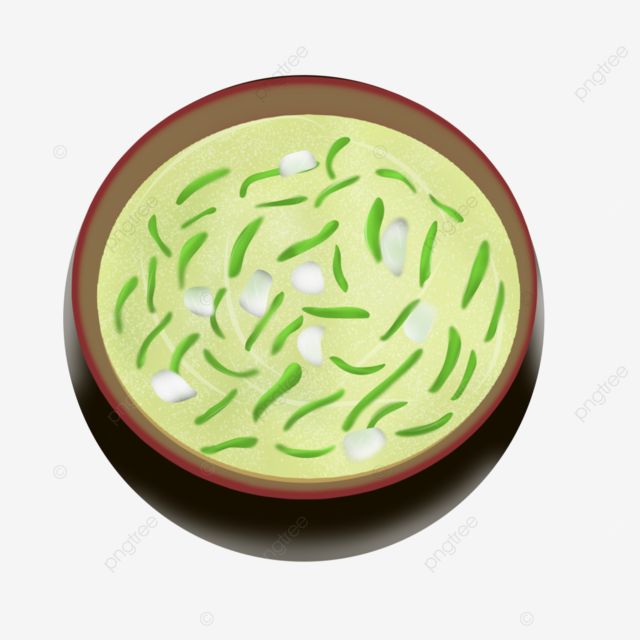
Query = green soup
x=319 y=324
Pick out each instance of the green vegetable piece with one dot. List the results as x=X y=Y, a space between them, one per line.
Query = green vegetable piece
x=304 y=453
x=425 y=428
x=213 y=319
x=372 y=229
x=338 y=274
x=497 y=312
x=146 y=343
x=384 y=411
x=290 y=377
x=400 y=320
x=127 y=289
x=287 y=202
x=450 y=360
x=335 y=148
x=377 y=391
x=215 y=410
x=358 y=371
x=281 y=338
x=452 y=213
x=200 y=182
x=234 y=443
x=241 y=245
x=216 y=364
x=262 y=175
x=314 y=405
x=151 y=283
x=190 y=221
x=152 y=226
x=396 y=175
x=427 y=252
x=189 y=249
x=309 y=243
x=181 y=349
x=349 y=313
x=478 y=271
x=331 y=189
x=262 y=323
x=466 y=376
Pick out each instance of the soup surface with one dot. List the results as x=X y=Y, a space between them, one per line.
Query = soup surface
x=308 y=297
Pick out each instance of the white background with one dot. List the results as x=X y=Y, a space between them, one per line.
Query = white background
x=555 y=552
